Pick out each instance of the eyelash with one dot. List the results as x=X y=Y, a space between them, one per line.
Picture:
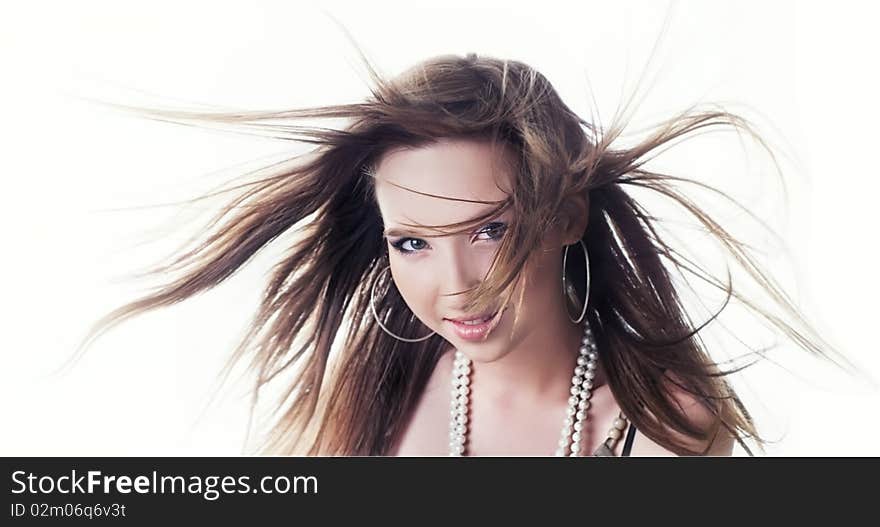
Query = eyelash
x=491 y=228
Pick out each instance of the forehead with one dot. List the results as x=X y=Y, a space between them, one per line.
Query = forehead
x=461 y=169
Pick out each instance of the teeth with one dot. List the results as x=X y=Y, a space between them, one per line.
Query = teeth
x=476 y=322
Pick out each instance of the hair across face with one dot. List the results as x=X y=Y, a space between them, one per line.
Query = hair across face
x=433 y=270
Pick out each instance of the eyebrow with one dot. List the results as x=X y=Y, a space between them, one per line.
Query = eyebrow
x=403 y=232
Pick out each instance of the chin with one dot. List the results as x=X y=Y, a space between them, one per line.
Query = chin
x=486 y=354
x=491 y=348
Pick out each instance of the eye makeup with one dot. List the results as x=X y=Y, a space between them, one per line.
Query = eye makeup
x=495 y=230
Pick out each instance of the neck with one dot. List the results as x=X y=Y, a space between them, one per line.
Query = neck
x=538 y=368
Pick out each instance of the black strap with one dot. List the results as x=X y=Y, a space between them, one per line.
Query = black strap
x=630 y=435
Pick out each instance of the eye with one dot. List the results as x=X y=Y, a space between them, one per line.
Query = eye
x=408 y=246
x=416 y=245
x=494 y=230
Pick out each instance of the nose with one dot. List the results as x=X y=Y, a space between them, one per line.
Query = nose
x=461 y=270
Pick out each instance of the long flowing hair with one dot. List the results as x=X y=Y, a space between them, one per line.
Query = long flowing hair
x=349 y=387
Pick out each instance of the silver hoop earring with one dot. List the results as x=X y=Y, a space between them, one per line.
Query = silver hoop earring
x=376 y=315
x=564 y=286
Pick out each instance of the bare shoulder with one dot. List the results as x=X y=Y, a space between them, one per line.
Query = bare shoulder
x=699 y=415
x=426 y=431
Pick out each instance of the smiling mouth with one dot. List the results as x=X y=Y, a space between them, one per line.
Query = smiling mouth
x=475 y=329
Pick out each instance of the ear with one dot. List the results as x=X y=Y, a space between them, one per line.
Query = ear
x=575 y=216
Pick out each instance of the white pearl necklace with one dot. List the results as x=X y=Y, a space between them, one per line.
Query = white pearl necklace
x=575 y=415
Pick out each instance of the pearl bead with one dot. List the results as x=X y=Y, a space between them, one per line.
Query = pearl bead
x=615 y=433
x=575 y=413
x=619 y=424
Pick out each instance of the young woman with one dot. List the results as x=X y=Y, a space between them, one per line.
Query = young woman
x=467 y=274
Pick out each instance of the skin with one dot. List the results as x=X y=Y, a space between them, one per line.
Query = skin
x=520 y=376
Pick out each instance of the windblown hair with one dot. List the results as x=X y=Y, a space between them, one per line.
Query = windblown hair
x=352 y=386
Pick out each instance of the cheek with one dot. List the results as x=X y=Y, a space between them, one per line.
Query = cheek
x=543 y=285
x=416 y=288
x=548 y=268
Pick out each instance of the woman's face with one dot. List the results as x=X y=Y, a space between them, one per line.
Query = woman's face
x=427 y=270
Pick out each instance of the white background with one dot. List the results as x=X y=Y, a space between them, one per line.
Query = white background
x=803 y=72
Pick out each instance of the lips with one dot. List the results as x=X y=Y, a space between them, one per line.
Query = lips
x=474 y=328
